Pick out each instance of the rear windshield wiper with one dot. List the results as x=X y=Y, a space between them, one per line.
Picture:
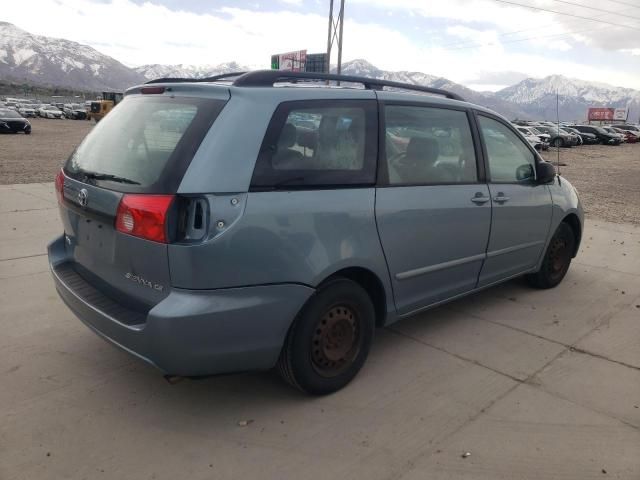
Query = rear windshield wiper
x=109 y=177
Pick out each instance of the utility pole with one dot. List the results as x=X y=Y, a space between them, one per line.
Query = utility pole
x=335 y=35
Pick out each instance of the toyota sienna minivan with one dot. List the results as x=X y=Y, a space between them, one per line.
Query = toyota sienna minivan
x=269 y=219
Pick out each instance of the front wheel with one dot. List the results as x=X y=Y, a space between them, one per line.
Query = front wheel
x=557 y=259
x=558 y=142
x=330 y=339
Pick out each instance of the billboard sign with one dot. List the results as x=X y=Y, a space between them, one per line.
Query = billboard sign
x=620 y=114
x=290 y=61
x=316 y=63
x=606 y=114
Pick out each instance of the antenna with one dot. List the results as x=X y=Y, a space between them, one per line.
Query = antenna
x=558 y=124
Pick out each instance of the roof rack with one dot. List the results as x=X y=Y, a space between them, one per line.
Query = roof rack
x=266 y=78
x=213 y=78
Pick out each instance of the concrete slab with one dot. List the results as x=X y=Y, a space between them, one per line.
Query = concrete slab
x=72 y=406
x=46 y=191
x=596 y=383
x=23 y=266
x=501 y=348
x=614 y=247
x=531 y=434
x=619 y=338
x=587 y=297
x=14 y=201
x=27 y=233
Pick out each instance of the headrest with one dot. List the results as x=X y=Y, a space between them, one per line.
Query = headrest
x=423 y=149
x=287 y=136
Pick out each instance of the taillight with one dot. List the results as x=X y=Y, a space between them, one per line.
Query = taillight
x=59 y=182
x=144 y=216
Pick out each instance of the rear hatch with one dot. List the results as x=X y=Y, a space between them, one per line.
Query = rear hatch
x=117 y=194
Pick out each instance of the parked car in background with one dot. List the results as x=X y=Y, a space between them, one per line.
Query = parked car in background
x=532 y=138
x=243 y=227
x=27 y=110
x=75 y=111
x=628 y=127
x=601 y=134
x=545 y=137
x=586 y=138
x=576 y=139
x=558 y=138
x=50 y=111
x=629 y=136
x=613 y=131
x=12 y=122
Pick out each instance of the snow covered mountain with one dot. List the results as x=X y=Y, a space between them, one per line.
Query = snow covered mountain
x=538 y=97
x=363 y=68
x=27 y=58
x=52 y=61
x=155 y=70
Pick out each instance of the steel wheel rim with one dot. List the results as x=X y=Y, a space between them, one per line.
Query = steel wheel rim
x=335 y=342
x=558 y=257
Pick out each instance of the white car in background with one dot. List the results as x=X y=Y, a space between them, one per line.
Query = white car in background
x=535 y=140
x=50 y=111
x=27 y=110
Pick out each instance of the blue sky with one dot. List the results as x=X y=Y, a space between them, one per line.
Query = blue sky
x=484 y=44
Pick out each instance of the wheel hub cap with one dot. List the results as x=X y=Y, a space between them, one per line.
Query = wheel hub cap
x=335 y=341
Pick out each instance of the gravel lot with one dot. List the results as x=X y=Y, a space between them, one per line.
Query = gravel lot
x=37 y=157
x=608 y=178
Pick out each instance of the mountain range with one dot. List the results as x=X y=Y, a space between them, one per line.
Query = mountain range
x=29 y=58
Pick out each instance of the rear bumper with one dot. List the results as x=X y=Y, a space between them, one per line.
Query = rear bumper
x=194 y=332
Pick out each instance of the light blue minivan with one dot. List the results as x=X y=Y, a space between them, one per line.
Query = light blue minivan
x=270 y=219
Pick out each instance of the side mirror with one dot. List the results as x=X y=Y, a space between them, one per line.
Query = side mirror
x=546 y=172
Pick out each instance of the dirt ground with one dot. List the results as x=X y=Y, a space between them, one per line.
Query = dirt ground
x=608 y=178
x=37 y=157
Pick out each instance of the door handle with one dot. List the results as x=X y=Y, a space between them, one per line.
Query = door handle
x=480 y=199
x=500 y=198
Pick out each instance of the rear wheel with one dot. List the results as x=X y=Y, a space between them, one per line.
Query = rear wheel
x=557 y=259
x=330 y=339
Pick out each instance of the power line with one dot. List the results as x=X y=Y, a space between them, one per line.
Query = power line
x=624 y=3
x=528 y=38
x=568 y=14
x=596 y=9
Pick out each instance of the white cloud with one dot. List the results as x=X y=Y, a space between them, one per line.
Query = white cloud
x=146 y=33
x=295 y=3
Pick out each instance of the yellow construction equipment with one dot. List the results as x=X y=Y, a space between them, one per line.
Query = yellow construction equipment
x=99 y=108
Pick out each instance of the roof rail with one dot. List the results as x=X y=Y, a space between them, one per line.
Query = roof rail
x=266 y=78
x=213 y=78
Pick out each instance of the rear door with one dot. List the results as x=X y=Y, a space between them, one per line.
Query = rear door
x=433 y=208
x=521 y=207
x=135 y=157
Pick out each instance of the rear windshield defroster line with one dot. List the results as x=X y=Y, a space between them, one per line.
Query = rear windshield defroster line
x=148 y=141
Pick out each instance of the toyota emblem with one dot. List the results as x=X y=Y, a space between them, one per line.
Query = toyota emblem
x=83 y=197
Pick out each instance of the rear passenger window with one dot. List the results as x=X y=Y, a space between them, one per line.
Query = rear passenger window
x=426 y=145
x=318 y=143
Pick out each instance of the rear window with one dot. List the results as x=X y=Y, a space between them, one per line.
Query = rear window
x=319 y=143
x=145 y=144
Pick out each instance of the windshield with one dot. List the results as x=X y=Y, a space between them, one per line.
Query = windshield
x=9 y=114
x=148 y=141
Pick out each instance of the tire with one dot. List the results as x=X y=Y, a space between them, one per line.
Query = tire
x=27 y=132
x=558 y=142
x=329 y=340
x=557 y=259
